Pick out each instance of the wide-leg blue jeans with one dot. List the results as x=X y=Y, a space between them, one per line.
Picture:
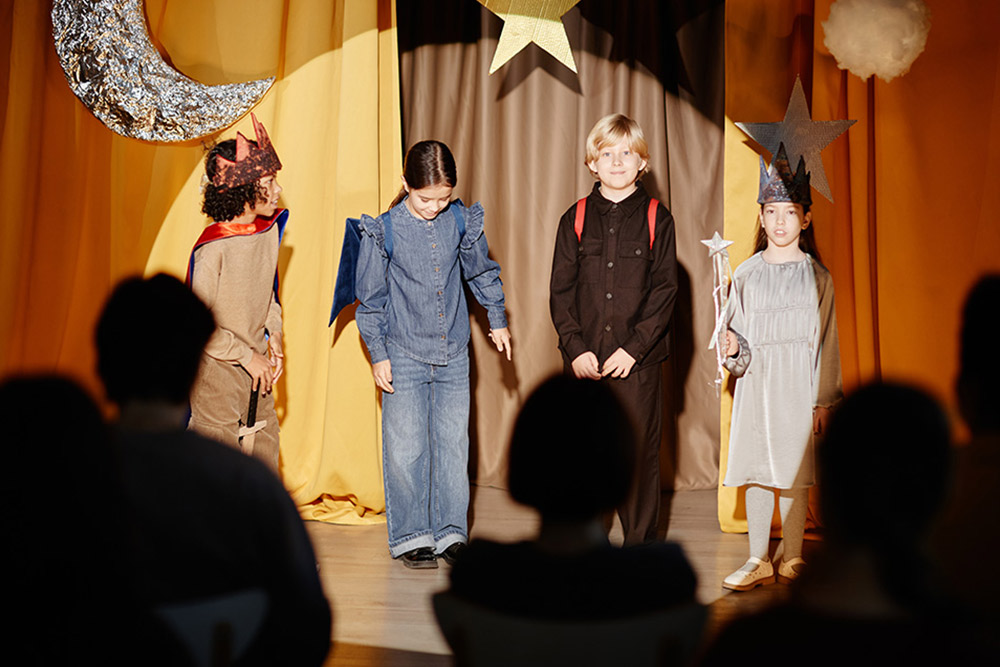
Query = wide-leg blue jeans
x=425 y=453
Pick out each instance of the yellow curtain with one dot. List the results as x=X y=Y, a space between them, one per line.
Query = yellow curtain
x=89 y=207
x=914 y=184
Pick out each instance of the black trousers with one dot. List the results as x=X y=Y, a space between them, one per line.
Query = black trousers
x=642 y=395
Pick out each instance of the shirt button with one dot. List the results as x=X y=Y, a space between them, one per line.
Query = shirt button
x=608 y=295
x=607 y=327
x=614 y=207
x=437 y=269
x=440 y=292
x=638 y=251
x=442 y=337
x=440 y=314
x=611 y=265
x=612 y=230
x=434 y=245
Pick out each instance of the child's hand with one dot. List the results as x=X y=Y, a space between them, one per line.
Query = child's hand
x=618 y=365
x=732 y=344
x=383 y=376
x=501 y=338
x=820 y=417
x=260 y=372
x=276 y=355
x=585 y=366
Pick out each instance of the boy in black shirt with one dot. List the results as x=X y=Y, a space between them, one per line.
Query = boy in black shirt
x=614 y=281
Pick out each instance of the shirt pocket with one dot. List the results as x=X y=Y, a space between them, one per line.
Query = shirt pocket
x=591 y=252
x=633 y=264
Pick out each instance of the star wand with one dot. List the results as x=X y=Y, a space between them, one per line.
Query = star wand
x=722 y=278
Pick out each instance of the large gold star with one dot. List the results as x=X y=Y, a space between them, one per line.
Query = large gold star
x=526 y=21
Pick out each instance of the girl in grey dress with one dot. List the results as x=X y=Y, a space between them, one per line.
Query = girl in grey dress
x=782 y=348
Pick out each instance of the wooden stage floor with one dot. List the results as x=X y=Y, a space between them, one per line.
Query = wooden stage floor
x=382 y=612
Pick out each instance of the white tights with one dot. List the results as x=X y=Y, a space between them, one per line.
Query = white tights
x=792 y=504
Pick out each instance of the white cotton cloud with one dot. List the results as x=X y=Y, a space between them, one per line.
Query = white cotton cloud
x=880 y=37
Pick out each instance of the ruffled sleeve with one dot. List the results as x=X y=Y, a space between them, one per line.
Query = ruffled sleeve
x=480 y=272
x=372 y=288
x=475 y=218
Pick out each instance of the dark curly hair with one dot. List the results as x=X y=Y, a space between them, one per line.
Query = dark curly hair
x=225 y=204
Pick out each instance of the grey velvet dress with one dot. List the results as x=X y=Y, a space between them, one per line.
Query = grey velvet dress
x=789 y=362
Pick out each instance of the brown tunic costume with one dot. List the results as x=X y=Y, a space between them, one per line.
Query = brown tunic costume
x=235 y=277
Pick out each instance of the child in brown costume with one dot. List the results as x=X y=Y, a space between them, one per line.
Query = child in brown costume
x=233 y=269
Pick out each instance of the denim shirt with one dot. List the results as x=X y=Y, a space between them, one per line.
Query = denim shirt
x=415 y=299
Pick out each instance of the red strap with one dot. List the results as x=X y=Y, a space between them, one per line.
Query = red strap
x=581 y=209
x=651 y=219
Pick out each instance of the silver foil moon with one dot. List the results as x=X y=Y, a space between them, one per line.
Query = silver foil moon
x=112 y=66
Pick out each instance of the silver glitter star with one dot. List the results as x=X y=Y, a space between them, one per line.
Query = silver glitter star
x=716 y=244
x=801 y=135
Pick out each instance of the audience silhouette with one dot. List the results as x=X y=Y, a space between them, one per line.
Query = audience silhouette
x=571 y=459
x=66 y=534
x=867 y=598
x=965 y=538
x=204 y=519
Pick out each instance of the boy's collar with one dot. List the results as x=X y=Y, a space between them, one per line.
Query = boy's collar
x=627 y=205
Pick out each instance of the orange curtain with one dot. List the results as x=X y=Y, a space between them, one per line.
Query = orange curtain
x=914 y=182
x=88 y=207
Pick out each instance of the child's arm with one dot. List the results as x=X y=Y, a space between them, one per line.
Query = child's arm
x=737 y=357
x=483 y=276
x=275 y=350
x=562 y=299
x=225 y=345
x=827 y=375
x=372 y=291
x=658 y=307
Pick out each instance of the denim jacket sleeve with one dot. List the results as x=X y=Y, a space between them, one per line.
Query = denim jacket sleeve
x=372 y=288
x=480 y=272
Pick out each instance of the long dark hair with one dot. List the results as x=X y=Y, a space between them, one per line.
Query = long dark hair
x=427 y=163
x=807 y=240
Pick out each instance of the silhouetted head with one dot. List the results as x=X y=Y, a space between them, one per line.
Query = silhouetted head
x=980 y=321
x=150 y=338
x=571 y=452
x=883 y=466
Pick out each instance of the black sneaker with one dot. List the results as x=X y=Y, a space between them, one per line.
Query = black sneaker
x=422 y=558
x=454 y=552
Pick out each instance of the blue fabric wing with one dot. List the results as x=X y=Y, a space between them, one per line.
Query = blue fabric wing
x=343 y=293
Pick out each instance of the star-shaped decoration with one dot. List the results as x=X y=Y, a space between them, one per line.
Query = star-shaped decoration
x=801 y=135
x=716 y=244
x=527 y=21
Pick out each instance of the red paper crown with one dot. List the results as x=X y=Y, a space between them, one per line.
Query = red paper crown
x=252 y=162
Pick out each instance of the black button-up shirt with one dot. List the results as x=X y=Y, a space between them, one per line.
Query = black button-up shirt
x=610 y=289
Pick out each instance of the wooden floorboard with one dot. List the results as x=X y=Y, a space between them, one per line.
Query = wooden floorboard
x=382 y=611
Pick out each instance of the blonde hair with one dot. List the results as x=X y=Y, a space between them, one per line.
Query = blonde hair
x=613 y=129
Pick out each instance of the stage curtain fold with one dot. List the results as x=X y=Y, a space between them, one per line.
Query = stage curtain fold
x=914 y=182
x=92 y=207
x=519 y=141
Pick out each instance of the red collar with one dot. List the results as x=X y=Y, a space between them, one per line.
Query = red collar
x=222 y=230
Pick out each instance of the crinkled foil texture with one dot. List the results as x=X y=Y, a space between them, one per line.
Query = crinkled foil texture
x=113 y=67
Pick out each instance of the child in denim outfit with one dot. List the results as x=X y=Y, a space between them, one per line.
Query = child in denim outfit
x=414 y=320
